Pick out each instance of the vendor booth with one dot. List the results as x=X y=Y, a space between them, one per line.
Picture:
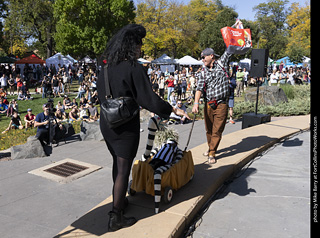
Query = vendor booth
x=188 y=60
x=59 y=59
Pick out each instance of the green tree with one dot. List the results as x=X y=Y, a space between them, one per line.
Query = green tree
x=271 y=17
x=211 y=34
x=30 y=20
x=85 y=26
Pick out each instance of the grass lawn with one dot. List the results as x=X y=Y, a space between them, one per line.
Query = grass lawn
x=16 y=137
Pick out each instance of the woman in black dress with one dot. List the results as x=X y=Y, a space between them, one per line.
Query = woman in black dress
x=127 y=78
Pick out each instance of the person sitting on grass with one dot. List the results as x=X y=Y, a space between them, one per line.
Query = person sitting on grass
x=29 y=119
x=93 y=112
x=3 y=107
x=13 y=106
x=15 y=123
x=83 y=114
x=20 y=96
x=60 y=115
x=25 y=91
x=60 y=106
x=67 y=102
x=3 y=93
x=83 y=101
x=74 y=103
x=73 y=115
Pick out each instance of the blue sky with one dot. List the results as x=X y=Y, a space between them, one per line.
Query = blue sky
x=244 y=7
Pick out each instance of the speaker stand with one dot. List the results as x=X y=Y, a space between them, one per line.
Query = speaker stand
x=253 y=119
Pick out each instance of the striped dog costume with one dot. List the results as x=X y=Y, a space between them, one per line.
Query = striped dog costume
x=170 y=154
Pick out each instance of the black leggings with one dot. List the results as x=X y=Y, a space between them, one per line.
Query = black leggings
x=120 y=174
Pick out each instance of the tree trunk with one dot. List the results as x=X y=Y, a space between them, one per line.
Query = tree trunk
x=49 y=42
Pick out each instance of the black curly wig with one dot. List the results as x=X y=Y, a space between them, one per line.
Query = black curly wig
x=124 y=44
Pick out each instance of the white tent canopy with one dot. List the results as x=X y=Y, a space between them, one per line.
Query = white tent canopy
x=163 y=59
x=245 y=63
x=58 y=59
x=72 y=59
x=144 y=61
x=87 y=60
x=188 y=60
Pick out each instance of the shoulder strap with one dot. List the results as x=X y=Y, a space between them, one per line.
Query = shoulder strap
x=106 y=82
x=222 y=69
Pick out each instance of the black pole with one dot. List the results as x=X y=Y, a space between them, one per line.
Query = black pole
x=257 y=99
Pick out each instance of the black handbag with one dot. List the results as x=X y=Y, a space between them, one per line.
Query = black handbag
x=117 y=111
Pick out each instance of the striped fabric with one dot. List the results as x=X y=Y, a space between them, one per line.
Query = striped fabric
x=157 y=177
x=152 y=127
x=173 y=157
x=167 y=152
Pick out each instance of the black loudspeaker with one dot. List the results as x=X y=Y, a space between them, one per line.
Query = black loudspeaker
x=253 y=119
x=259 y=62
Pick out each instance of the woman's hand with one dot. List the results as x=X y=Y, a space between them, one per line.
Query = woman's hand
x=180 y=112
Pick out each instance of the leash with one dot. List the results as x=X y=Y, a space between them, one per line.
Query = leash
x=194 y=118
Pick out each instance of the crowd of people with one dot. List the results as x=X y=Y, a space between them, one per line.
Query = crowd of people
x=179 y=88
x=51 y=82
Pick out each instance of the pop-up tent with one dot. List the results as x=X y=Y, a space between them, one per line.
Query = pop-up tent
x=32 y=59
x=87 y=60
x=71 y=58
x=163 y=59
x=143 y=61
x=245 y=63
x=58 y=59
x=188 y=60
x=6 y=59
x=287 y=62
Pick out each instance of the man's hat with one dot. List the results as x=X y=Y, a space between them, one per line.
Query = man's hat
x=209 y=51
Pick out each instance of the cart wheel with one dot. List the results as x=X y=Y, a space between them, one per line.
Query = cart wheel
x=131 y=192
x=168 y=194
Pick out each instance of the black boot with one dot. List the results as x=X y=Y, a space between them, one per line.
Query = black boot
x=118 y=221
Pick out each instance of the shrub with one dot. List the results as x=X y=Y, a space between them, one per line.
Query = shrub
x=298 y=104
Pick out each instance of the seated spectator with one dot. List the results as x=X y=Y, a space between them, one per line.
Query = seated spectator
x=21 y=97
x=60 y=115
x=83 y=114
x=93 y=112
x=83 y=101
x=3 y=94
x=42 y=122
x=13 y=106
x=29 y=119
x=67 y=102
x=15 y=123
x=25 y=91
x=73 y=115
x=3 y=107
x=74 y=103
x=81 y=91
x=176 y=118
x=94 y=98
x=173 y=99
x=60 y=106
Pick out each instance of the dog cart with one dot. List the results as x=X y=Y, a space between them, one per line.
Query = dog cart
x=165 y=179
